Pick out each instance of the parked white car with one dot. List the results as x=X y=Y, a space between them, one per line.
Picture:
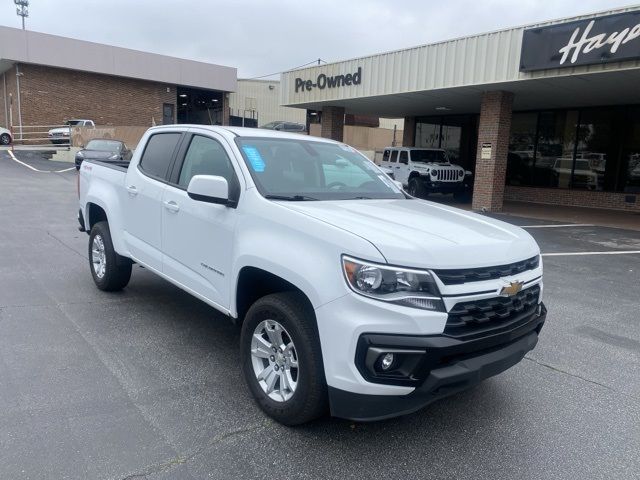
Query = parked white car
x=5 y=136
x=583 y=175
x=351 y=294
x=427 y=170
x=62 y=134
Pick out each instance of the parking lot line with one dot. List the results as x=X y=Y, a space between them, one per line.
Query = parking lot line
x=614 y=252
x=559 y=226
x=35 y=169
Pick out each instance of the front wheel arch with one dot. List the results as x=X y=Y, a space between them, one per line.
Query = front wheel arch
x=254 y=283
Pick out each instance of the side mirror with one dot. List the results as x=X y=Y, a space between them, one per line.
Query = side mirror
x=210 y=189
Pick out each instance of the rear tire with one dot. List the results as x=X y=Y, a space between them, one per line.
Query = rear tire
x=416 y=188
x=110 y=271
x=292 y=389
x=5 y=139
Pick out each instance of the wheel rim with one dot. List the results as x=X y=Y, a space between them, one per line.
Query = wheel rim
x=412 y=189
x=274 y=360
x=5 y=139
x=98 y=256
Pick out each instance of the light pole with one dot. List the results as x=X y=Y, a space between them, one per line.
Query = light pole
x=22 y=9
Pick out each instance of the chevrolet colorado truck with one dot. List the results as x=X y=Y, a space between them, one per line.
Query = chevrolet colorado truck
x=351 y=295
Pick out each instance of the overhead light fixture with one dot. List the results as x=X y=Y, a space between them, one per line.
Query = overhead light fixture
x=184 y=104
x=443 y=109
x=214 y=100
x=183 y=95
x=313 y=113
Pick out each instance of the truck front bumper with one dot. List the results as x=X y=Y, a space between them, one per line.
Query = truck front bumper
x=444 y=187
x=438 y=366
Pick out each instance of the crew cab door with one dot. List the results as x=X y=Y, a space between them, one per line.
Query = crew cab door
x=142 y=202
x=197 y=237
x=402 y=169
x=385 y=158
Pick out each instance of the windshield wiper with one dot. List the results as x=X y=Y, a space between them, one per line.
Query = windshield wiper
x=360 y=198
x=290 y=198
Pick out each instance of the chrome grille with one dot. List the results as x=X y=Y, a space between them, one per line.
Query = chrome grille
x=447 y=175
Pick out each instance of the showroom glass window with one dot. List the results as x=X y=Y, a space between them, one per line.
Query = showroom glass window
x=628 y=175
x=456 y=134
x=596 y=148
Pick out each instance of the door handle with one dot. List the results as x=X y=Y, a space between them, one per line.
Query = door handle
x=171 y=206
x=397 y=166
x=133 y=191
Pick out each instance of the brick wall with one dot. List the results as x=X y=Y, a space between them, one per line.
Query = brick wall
x=333 y=123
x=494 y=128
x=50 y=96
x=573 y=198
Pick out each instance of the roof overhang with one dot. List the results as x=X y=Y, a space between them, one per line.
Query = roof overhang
x=450 y=76
x=20 y=46
x=611 y=88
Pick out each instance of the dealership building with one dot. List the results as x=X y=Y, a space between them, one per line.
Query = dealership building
x=545 y=113
x=46 y=80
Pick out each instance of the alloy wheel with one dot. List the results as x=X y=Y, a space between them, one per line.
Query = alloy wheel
x=98 y=256
x=274 y=360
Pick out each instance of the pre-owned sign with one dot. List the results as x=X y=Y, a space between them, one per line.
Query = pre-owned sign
x=324 y=81
x=613 y=38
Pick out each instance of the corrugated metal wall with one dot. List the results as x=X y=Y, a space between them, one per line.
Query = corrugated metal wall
x=256 y=94
x=476 y=60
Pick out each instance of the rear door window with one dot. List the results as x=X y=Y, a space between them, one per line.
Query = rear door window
x=158 y=154
x=394 y=156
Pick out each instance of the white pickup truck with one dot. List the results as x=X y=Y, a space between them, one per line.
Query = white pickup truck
x=351 y=294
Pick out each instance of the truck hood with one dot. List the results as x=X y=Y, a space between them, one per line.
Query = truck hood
x=417 y=233
x=59 y=130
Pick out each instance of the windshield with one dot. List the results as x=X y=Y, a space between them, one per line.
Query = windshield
x=307 y=170
x=270 y=125
x=436 y=156
x=104 y=145
x=74 y=122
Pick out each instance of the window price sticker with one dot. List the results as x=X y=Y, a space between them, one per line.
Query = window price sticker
x=254 y=157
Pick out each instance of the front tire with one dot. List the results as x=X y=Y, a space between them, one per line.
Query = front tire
x=416 y=188
x=110 y=271
x=282 y=359
x=5 y=139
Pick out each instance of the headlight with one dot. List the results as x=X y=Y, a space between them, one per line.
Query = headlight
x=401 y=286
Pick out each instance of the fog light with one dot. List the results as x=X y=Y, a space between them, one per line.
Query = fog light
x=387 y=361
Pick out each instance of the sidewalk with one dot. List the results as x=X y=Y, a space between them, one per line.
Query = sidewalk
x=557 y=213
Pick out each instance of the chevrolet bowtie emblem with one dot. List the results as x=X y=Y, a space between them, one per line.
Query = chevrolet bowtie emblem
x=511 y=289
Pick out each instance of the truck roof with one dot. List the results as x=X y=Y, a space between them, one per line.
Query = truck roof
x=246 y=132
x=415 y=148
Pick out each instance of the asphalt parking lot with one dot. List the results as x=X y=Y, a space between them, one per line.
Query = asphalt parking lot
x=146 y=383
